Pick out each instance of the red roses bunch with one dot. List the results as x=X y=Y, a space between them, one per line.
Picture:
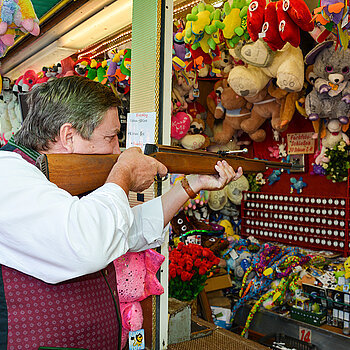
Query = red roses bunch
x=189 y=268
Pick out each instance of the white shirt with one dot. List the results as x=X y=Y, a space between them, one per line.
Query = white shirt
x=49 y=234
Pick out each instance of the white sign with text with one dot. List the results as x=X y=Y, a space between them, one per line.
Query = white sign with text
x=140 y=129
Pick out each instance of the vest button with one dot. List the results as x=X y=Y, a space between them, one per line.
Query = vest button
x=115 y=293
x=106 y=272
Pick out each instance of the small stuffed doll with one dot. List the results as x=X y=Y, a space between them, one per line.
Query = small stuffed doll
x=136 y=278
x=330 y=96
x=213 y=99
x=274 y=177
x=334 y=135
x=297 y=185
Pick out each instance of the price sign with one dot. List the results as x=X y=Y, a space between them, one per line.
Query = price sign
x=140 y=129
x=305 y=334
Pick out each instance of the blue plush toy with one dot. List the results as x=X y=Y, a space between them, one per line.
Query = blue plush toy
x=274 y=176
x=297 y=185
x=286 y=160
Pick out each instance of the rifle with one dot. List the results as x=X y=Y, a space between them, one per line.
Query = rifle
x=80 y=173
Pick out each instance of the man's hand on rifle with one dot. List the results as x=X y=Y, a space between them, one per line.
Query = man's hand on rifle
x=134 y=171
x=225 y=175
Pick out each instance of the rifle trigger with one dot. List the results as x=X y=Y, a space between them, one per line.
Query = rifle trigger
x=158 y=178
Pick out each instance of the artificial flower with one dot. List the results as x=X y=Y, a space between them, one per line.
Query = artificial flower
x=189 y=268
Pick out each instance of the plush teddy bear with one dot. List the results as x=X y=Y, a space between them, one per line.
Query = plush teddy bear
x=195 y=138
x=330 y=96
x=234 y=190
x=239 y=266
x=286 y=65
x=233 y=109
x=264 y=107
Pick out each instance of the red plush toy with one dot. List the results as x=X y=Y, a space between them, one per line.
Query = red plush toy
x=255 y=18
x=270 y=30
x=299 y=13
x=67 y=66
x=288 y=30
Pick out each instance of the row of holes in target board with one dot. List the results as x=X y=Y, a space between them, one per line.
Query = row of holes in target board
x=295 y=219
x=277 y=198
x=291 y=227
x=295 y=209
x=317 y=242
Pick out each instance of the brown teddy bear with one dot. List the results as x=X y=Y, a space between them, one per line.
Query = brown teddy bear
x=212 y=100
x=195 y=138
x=233 y=109
x=264 y=107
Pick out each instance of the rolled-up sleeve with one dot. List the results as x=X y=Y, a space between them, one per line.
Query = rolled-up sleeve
x=147 y=230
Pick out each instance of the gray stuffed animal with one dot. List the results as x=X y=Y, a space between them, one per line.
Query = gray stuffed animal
x=330 y=96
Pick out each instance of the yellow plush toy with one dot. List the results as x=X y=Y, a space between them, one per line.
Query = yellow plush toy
x=202 y=23
x=235 y=22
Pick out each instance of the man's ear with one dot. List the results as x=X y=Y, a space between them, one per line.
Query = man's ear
x=67 y=132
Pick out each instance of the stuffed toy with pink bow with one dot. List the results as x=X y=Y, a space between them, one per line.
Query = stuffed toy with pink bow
x=136 y=278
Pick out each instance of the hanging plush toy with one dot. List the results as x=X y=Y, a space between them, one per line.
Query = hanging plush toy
x=297 y=185
x=278 y=22
x=333 y=17
x=330 y=96
x=17 y=18
x=235 y=22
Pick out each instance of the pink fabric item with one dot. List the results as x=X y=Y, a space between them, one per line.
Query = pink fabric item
x=136 y=279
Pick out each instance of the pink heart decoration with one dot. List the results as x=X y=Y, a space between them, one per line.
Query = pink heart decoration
x=180 y=124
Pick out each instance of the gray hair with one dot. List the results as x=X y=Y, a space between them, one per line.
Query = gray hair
x=75 y=99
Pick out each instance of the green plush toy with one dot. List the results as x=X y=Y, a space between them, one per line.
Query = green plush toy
x=92 y=71
x=125 y=66
x=235 y=22
x=213 y=29
x=201 y=23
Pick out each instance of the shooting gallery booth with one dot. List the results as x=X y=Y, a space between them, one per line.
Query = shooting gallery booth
x=264 y=262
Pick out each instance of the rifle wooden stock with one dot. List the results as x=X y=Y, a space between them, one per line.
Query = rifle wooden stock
x=80 y=173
